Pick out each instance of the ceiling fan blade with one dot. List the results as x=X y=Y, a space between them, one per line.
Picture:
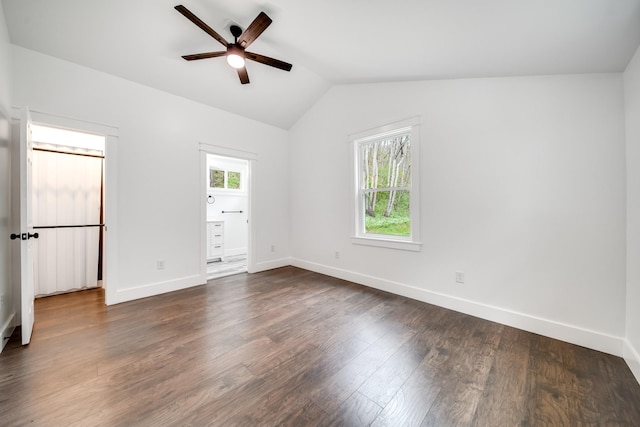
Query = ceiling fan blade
x=268 y=61
x=207 y=29
x=244 y=76
x=203 y=55
x=256 y=28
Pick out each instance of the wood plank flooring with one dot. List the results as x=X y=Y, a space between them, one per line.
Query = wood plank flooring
x=290 y=347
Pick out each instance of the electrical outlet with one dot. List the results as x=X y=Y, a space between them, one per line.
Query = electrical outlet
x=160 y=264
x=1 y=300
x=459 y=276
x=273 y=248
x=337 y=254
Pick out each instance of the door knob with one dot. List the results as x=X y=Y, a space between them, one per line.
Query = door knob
x=23 y=236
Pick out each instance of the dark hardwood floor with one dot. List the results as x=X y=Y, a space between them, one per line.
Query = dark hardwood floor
x=295 y=348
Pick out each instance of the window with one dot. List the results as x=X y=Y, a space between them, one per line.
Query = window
x=386 y=200
x=233 y=180
x=216 y=178
x=223 y=179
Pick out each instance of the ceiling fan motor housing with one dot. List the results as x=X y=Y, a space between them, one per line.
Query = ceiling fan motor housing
x=234 y=49
x=235 y=31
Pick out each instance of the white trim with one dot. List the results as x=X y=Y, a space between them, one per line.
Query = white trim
x=270 y=265
x=632 y=357
x=152 y=289
x=550 y=328
x=54 y=120
x=252 y=232
x=110 y=243
x=251 y=158
x=7 y=330
x=227 y=152
x=383 y=242
x=387 y=129
x=203 y=218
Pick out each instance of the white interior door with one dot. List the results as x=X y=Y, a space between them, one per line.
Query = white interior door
x=26 y=228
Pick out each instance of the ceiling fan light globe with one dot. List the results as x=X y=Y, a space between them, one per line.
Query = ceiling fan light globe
x=236 y=61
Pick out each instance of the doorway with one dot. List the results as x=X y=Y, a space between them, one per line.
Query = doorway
x=227 y=215
x=68 y=209
x=23 y=120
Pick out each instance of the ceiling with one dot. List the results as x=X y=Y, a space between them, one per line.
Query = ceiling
x=328 y=42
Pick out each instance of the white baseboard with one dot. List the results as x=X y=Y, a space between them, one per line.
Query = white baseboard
x=7 y=330
x=151 y=289
x=569 y=333
x=632 y=357
x=270 y=265
x=235 y=251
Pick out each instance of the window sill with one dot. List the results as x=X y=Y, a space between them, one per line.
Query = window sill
x=387 y=243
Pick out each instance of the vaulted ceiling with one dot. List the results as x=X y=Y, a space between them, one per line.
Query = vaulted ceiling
x=328 y=42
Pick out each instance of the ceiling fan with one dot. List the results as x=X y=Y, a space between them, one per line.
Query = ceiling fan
x=236 y=53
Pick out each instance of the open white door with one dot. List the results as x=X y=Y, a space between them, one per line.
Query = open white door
x=26 y=228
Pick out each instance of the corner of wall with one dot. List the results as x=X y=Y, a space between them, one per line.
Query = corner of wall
x=631 y=80
x=7 y=311
x=632 y=357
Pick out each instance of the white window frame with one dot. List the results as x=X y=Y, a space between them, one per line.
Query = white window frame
x=359 y=237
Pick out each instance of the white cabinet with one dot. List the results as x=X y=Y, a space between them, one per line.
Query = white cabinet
x=215 y=240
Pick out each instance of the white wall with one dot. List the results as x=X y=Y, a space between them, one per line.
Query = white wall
x=6 y=304
x=632 y=110
x=158 y=168
x=522 y=188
